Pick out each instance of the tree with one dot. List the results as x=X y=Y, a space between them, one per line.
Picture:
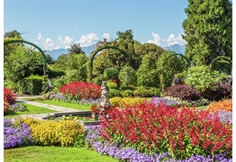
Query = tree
x=126 y=42
x=49 y=59
x=76 y=49
x=12 y=34
x=148 y=48
x=167 y=69
x=147 y=73
x=208 y=30
x=23 y=63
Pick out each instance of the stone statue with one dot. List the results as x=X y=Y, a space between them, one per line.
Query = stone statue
x=105 y=105
x=105 y=94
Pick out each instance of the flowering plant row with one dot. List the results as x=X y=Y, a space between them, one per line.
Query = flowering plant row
x=149 y=128
x=80 y=90
x=120 y=152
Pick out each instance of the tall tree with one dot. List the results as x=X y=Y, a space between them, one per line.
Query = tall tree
x=208 y=30
x=148 y=48
x=12 y=34
x=76 y=49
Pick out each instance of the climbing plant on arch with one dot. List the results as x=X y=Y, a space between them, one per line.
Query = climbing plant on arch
x=222 y=60
x=94 y=53
x=189 y=64
x=8 y=41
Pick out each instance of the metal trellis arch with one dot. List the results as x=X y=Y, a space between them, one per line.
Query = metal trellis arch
x=93 y=54
x=179 y=55
x=218 y=58
x=40 y=50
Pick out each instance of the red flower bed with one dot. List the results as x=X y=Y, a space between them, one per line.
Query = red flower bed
x=149 y=128
x=81 y=90
x=9 y=96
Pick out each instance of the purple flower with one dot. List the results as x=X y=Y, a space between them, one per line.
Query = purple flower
x=16 y=134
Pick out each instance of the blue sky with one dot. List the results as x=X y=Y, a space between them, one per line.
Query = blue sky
x=55 y=24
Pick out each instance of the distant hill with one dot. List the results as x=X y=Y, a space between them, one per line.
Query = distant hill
x=56 y=53
x=176 y=48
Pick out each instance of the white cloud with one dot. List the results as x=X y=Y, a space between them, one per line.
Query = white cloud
x=156 y=40
x=88 y=40
x=107 y=36
x=39 y=36
x=66 y=42
x=48 y=43
x=171 y=40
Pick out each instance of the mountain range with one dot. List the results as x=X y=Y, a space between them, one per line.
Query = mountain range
x=57 y=52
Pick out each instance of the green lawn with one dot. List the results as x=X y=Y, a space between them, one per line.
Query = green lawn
x=53 y=154
x=30 y=109
x=59 y=103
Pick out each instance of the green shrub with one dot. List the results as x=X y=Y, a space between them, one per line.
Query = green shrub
x=49 y=132
x=114 y=93
x=128 y=76
x=111 y=84
x=53 y=73
x=127 y=93
x=147 y=73
x=32 y=85
x=167 y=69
x=146 y=91
x=98 y=80
x=111 y=73
x=200 y=78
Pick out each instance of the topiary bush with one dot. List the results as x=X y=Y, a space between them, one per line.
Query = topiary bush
x=142 y=91
x=147 y=72
x=183 y=92
x=111 y=84
x=114 y=93
x=111 y=73
x=32 y=85
x=98 y=80
x=127 y=76
x=127 y=93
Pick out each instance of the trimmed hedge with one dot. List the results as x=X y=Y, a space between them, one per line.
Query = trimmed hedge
x=32 y=85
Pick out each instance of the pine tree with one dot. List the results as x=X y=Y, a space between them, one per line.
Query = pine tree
x=208 y=30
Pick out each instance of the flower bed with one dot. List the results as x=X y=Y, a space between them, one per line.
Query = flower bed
x=153 y=129
x=16 y=134
x=120 y=152
x=79 y=90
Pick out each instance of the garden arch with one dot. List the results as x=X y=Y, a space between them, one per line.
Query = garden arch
x=93 y=54
x=40 y=50
x=218 y=58
x=179 y=55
